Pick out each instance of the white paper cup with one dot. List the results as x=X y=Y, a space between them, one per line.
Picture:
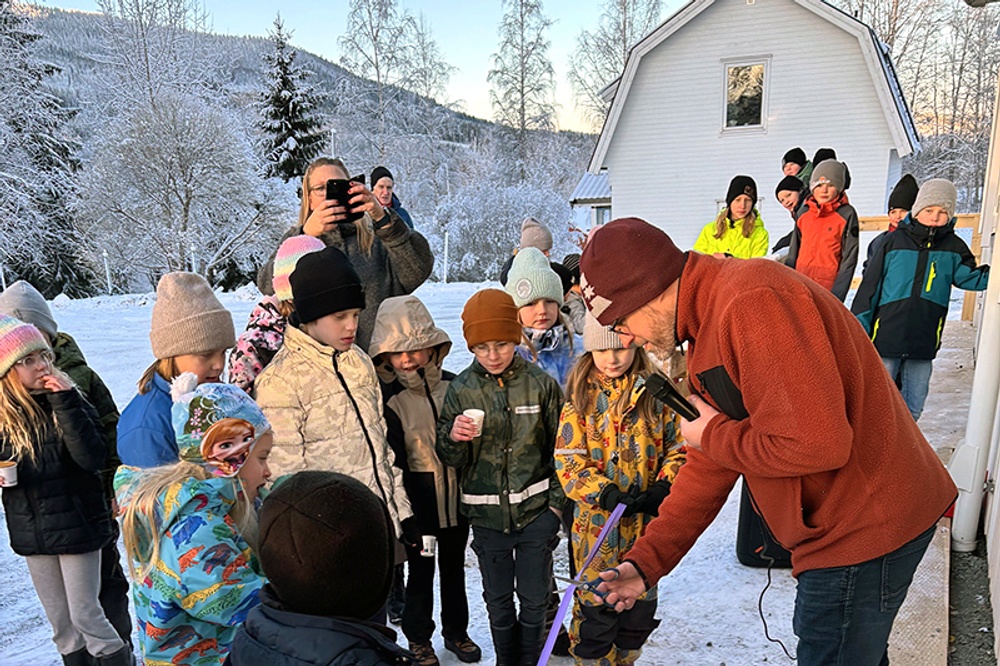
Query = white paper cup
x=8 y=473
x=478 y=416
x=430 y=546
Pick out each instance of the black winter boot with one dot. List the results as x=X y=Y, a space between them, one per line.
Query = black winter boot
x=532 y=642
x=505 y=645
x=397 y=597
x=123 y=657
x=78 y=658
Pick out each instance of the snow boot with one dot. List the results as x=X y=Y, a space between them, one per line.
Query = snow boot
x=532 y=642
x=505 y=645
x=122 y=657
x=464 y=648
x=397 y=597
x=78 y=658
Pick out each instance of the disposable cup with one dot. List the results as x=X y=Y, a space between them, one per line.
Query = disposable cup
x=478 y=416
x=430 y=546
x=8 y=473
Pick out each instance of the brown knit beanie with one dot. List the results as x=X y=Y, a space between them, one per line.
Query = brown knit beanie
x=188 y=318
x=490 y=315
x=627 y=263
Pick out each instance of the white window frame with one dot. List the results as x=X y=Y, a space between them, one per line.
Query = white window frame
x=727 y=63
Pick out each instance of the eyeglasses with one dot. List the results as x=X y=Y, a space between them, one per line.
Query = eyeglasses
x=484 y=350
x=34 y=360
x=618 y=326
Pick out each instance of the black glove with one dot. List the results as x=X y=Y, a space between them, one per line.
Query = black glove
x=412 y=536
x=654 y=496
x=612 y=496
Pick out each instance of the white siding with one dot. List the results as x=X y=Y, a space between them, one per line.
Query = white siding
x=670 y=161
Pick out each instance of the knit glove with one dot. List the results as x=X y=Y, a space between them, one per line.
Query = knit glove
x=612 y=496
x=412 y=536
x=654 y=496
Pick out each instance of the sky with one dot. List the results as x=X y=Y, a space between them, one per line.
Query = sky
x=466 y=34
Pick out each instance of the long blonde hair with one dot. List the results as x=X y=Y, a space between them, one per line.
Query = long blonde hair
x=366 y=236
x=722 y=221
x=142 y=515
x=23 y=424
x=164 y=367
x=582 y=379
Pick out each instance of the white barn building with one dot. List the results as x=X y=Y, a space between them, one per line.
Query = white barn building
x=726 y=87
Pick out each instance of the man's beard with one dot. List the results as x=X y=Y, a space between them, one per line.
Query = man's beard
x=664 y=325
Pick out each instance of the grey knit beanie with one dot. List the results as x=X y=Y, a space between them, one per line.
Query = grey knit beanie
x=597 y=337
x=23 y=301
x=534 y=234
x=531 y=277
x=936 y=192
x=188 y=318
x=828 y=171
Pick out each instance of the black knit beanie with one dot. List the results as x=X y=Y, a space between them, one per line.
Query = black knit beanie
x=326 y=545
x=795 y=156
x=790 y=183
x=741 y=185
x=380 y=172
x=572 y=262
x=904 y=194
x=324 y=282
x=824 y=154
x=565 y=275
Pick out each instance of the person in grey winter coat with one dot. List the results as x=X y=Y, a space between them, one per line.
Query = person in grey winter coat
x=390 y=258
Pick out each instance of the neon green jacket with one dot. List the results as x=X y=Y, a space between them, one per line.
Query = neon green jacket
x=733 y=242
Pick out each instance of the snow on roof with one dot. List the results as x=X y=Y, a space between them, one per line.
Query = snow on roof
x=592 y=189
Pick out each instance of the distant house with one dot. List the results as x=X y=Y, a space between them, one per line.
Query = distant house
x=725 y=87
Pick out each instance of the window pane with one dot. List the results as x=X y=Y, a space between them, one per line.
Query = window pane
x=744 y=95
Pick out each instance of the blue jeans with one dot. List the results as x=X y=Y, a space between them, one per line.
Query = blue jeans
x=915 y=377
x=843 y=615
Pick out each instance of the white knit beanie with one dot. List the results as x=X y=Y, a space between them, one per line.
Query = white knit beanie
x=534 y=234
x=531 y=278
x=188 y=318
x=936 y=192
x=23 y=301
x=597 y=337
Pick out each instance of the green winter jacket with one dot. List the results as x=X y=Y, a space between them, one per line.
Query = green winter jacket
x=507 y=475
x=69 y=359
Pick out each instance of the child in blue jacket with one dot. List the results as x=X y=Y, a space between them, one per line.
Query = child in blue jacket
x=903 y=298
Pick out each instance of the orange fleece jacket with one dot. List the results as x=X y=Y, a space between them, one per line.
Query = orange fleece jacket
x=830 y=453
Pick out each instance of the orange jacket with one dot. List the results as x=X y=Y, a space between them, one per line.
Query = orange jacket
x=824 y=244
x=835 y=463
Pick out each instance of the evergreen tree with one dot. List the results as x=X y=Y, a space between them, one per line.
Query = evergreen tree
x=291 y=123
x=38 y=236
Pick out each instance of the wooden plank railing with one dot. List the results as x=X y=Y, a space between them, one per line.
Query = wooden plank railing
x=964 y=221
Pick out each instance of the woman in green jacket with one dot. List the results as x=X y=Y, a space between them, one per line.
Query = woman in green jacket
x=738 y=230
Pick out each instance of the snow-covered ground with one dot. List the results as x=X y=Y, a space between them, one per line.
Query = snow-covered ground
x=708 y=605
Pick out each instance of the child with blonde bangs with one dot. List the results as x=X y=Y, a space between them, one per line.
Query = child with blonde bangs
x=56 y=510
x=616 y=445
x=738 y=230
x=188 y=527
x=190 y=332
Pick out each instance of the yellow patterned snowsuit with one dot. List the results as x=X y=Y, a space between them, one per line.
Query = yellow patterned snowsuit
x=598 y=448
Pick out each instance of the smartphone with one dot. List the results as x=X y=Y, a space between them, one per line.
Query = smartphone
x=338 y=189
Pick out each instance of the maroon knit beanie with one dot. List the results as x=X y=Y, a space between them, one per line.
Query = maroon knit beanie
x=627 y=263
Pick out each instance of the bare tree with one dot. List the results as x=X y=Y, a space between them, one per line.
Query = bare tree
x=600 y=54
x=521 y=78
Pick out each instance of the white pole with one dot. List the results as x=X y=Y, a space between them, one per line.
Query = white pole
x=107 y=270
x=968 y=465
x=3 y=276
x=194 y=260
x=446 y=257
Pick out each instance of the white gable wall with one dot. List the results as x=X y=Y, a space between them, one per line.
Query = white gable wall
x=669 y=160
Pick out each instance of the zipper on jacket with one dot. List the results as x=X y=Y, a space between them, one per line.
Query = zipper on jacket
x=364 y=428
x=434 y=411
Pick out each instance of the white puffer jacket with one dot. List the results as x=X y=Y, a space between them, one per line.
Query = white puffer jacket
x=325 y=408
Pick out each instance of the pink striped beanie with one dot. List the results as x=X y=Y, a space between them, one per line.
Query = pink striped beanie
x=287 y=257
x=17 y=340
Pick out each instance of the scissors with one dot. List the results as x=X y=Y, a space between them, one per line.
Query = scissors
x=588 y=585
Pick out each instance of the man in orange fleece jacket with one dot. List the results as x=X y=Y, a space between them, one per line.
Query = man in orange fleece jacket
x=793 y=397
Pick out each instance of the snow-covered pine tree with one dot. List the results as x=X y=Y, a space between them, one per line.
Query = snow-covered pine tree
x=38 y=237
x=291 y=123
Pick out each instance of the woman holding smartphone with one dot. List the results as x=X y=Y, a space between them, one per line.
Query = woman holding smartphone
x=390 y=258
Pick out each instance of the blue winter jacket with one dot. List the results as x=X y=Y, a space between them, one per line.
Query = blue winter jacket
x=145 y=435
x=903 y=298
x=204 y=582
x=555 y=354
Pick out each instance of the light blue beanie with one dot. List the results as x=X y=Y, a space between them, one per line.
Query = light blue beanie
x=531 y=278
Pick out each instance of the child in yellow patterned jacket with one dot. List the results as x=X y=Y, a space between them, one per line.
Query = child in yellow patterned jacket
x=616 y=445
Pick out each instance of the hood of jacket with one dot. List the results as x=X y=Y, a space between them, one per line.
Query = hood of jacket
x=829 y=206
x=924 y=235
x=404 y=324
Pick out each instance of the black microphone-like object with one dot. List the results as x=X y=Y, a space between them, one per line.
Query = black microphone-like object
x=664 y=390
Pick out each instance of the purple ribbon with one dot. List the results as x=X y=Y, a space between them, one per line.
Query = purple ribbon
x=567 y=599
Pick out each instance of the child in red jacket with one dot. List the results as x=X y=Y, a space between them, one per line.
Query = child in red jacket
x=825 y=240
